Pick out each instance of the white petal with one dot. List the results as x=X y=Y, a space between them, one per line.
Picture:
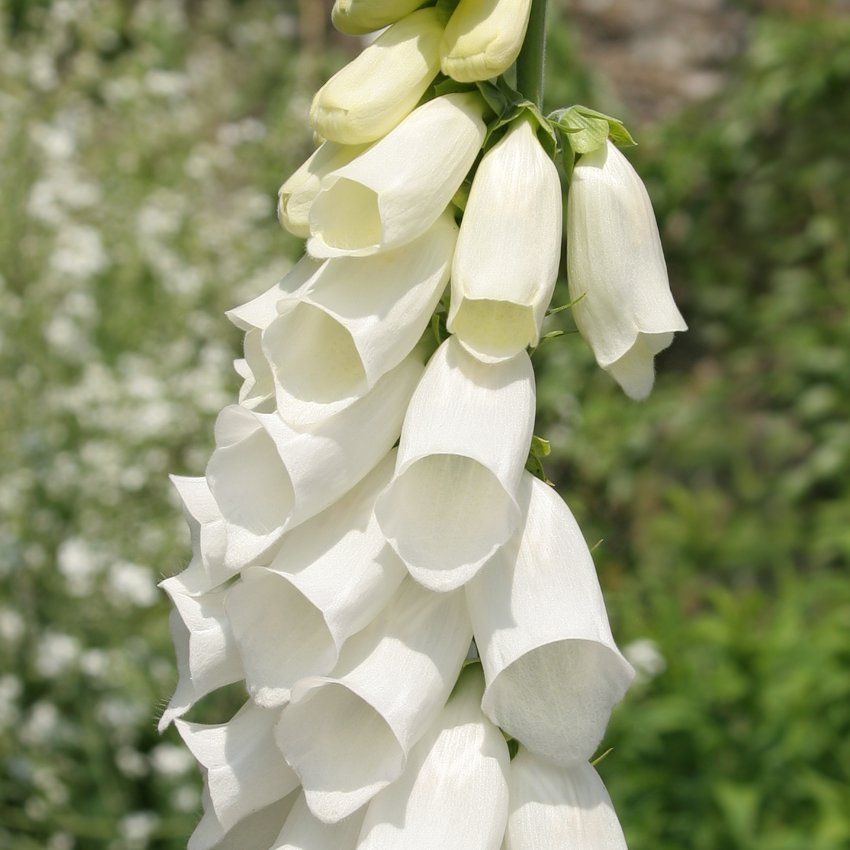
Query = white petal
x=369 y=96
x=559 y=807
x=297 y=194
x=329 y=579
x=268 y=478
x=206 y=652
x=616 y=268
x=357 y=319
x=255 y=832
x=257 y=390
x=553 y=670
x=454 y=790
x=401 y=185
x=261 y=310
x=348 y=737
x=208 y=533
x=245 y=771
x=304 y=831
x=483 y=38
x=463 y=448
x=357 y=17
x=509 y=248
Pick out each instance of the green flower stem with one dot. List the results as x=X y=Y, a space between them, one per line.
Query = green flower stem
x=532 y=58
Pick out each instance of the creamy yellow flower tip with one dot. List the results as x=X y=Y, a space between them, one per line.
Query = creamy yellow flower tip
x=296 y=195
x=357 y=17
x=483 y=38
x=372 y=94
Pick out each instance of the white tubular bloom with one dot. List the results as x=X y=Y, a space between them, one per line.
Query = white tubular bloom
x=454 y=790
x=463 y=448
x=206 y=652
x=255 y=832
x=348 y=736
x=616 y=268
x=297 y=194
x=375 y=91
x=400 y=186
x=208 y=532
x=329 y=579
x=357 y=17
x=553 y=670
x=559 y=807
x=245 y=771
x=509 y=248
x=257 y=391
x=268 y=478
x=483 y=38
x=356 y=319
x=304 y=831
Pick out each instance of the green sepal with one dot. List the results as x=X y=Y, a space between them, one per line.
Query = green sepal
x=604 y=755
x=446 y=85
x=508 y=105
x=445 y=8
x=539 y=449
x=586 y=129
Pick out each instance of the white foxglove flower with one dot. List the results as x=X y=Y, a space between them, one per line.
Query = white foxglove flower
x=617 y=274
x=329 y=579
x=297 y=194
x=554 y=806
x=208 y=532
x=255 y=832
x=454 y=791
x=245 y=771
x=375 y=91
x=207 y=658
x=553 y=670
x=253 y=317
x=304 y=831
x=348 y=736
x=268 y=478
x=483 y=38
x=509 y=248
x=463 y=448
x=397 y=189
x=355 y=320
x=357 y=17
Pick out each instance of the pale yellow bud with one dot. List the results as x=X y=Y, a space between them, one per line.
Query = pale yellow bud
x=483 y=38
x=372 y=94
x=357 y=17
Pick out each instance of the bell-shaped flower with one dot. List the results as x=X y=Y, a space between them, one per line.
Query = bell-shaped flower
x=463 y=449
x=555 y=806
x=208 y=532
x=454 y=791
x=509 y=248
x=617 y=274
x=245 y=771
x=553 y=670
x=255 y=832
x=297 y=194
x=483 y=38
x=374 y=92
x=356 y=319
x=304 y=831
x=358 y=17
x=348 y=736
x=257 y=391
x=397 y=189
x=329 y=579
x=268 y=478
x=207 y=657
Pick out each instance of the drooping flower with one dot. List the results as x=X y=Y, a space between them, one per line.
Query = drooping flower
x=358 y=17
x=509 y=248
x=616 y=270
x=398 y=188
x=373 y=93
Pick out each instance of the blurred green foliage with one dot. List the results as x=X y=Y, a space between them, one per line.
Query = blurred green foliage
x=141 y=145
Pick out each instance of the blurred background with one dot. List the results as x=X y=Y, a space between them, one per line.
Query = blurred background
x=141 y=146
